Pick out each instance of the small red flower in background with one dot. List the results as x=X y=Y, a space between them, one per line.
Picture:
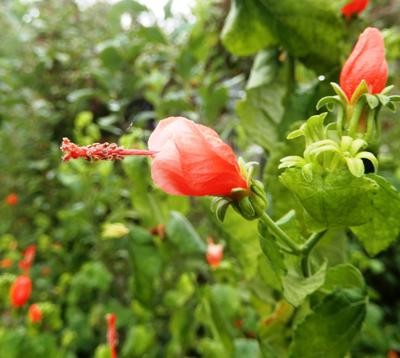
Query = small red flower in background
x=392 y=354
x=188 y=158
x=20 y=291
x=6 y=263
x=366 y=62
x=28 y=257
x=354 y=7
x=34 y=313
x=215 y=253
x=112 y=335
x=158 y=230
x=12 y=199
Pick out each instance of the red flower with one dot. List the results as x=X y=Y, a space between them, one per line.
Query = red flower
x=214 y=253
x=354 y=7
x=112 y=335
x=12 y=199
x=20 y=291
x=34 y=313
x=366 y=62
x=29 y=255
x=188 y=158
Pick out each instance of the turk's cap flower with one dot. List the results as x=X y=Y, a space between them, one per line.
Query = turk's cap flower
x=366 y=63
x=187 y=159
x=112 y=336
x=11 y=199
x=354 y=7
x=28 y=257
x=20 y=291
x=34 y=313
x=215 y=253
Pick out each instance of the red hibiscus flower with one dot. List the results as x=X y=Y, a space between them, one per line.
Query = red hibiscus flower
x=12 y=199
x=34 y=313
x=112 y=334
x=366 y=62
x=20 y=291
x=188 y=158
x=215 y=253
x=354 y=7
x=28 y=257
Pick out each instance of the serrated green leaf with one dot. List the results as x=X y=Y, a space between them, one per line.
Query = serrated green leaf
x=296 y=288
x=343 y=276
x=330 y=329
x=264 y=70
x=260 y=114
x=383 y=226
x=333 y=199
x=246 y=29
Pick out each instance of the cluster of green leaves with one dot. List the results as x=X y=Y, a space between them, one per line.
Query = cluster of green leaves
x=109 y=241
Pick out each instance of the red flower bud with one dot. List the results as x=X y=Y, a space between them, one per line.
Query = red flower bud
x=214 y=253
x=188 y=158
x=366 y=62
x=12 y=199
x=34 y=313
x=6 y=263
x=20 y=291
x=354 y=7
x=28 y=257
x=112 y=335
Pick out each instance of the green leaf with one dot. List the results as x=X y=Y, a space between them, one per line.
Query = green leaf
x=264 y=70
x=330 y=329
x=181 y=232
x=247 y=348
x=242 y=240
x=260 y=113
x=310 y=29
x=343 y=276
x=246 y=29
x=296 y=288
x=271 y=262
x=334 y=199
x=383 y=226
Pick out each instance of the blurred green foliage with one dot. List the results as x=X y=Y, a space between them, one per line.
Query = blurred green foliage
x=85 y=73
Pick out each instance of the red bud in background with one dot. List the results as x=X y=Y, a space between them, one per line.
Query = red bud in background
x=6 y=263
x=20 y=291
x=34 y=313
x=28 y=257
x=354 y=7
x=112 y=334
x=366 y=62
x=12 y=199
x=214 y=253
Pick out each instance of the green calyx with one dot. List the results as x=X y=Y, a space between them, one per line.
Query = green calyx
x=357 y=117
x=326 y=151
x=250 y=203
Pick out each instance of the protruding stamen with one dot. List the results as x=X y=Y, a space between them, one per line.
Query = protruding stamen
x=99 y=151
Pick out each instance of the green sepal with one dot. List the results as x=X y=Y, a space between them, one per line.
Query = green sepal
x=360 y=90
x=338 y=90
x=328 y=102
x=372 y=100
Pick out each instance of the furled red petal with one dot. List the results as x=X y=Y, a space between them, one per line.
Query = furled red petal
x=366 y=62
x=192 y=160
x=354 y=7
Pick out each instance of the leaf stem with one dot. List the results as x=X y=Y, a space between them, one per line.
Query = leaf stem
x=306 y=250
x=279 y=233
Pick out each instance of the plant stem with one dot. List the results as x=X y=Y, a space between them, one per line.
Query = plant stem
x=306 y=250
x=279 y=233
